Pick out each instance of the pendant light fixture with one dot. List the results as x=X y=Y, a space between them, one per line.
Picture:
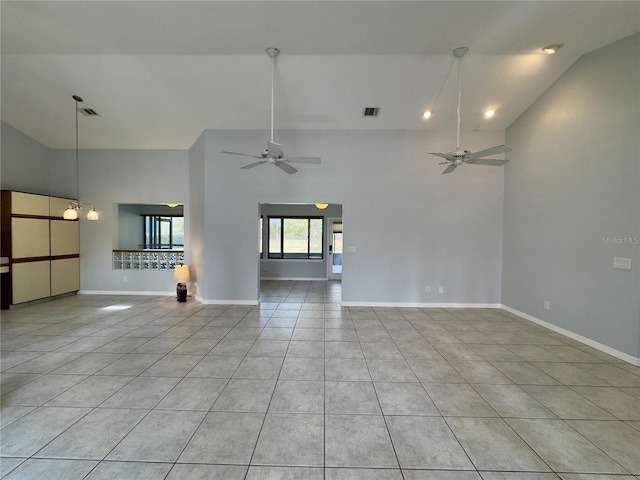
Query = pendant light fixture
x=73 y=210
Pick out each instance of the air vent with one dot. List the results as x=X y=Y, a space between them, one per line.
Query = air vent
x=89 y=112
x=371 y=111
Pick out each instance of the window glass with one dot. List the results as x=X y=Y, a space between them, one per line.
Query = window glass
x=162 y=232
x=295 y=237
x=260 y=232
x=275 y=237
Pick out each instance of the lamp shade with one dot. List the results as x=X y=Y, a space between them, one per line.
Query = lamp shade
x=181 y=274
x=70 y=213
x=93 y=214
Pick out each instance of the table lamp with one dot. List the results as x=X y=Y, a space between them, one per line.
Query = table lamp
x=181 y=276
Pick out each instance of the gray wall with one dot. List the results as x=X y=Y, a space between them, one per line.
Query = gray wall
x=574 y=183
x=111 y=177
x=195 y=241
x=129 y=227
x=410 y=225
x=26 y=165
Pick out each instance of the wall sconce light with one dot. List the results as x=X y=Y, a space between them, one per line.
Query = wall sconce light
x=93 y=214
x=321 y=206
x=181 y=277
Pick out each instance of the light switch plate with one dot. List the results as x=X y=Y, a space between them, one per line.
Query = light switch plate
x=622 y=263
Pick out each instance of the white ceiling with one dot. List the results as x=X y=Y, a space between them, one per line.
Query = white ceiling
x=161 y=72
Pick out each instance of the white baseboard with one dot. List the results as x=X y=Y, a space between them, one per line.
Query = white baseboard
x=567 y=333
x=226 y=302
x=124 y=292
x=420 y=305
x=295 y=279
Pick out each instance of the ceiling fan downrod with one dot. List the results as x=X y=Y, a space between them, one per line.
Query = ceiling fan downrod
x=459 y=53
x=273 y=53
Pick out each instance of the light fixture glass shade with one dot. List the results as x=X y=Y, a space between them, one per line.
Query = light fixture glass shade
x=321 y=206
x=71 y=213
x=93 y=214
x=172 y=205
x=181 y=274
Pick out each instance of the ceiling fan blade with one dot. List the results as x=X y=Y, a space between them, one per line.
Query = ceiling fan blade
x=441 y=155
x=312 y=160
x=449 y=169
x=491 y=151
x=241 y=154
x=488 y=161
x=274 y=150
x=251 y=165
x=286 y=167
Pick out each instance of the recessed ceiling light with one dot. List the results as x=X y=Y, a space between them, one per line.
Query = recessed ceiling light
x=551 y=49
x=489 y=113
x=427 y=114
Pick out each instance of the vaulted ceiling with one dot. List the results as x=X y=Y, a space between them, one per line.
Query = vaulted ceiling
x=160 y=72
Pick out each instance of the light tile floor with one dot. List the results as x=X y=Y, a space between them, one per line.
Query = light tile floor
x=146 y=388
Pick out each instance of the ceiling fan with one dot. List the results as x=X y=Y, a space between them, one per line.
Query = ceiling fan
x=457 y=157
x=273 y=154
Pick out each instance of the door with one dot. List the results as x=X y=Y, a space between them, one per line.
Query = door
x=335 y=249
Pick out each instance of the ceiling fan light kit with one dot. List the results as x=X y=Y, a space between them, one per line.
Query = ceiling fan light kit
x=457 y=157
x=273 y=154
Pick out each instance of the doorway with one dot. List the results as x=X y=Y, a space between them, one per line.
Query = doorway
x=334 y=265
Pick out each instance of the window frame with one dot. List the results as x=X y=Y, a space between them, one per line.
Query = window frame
x=282 y=254
x=157 y=235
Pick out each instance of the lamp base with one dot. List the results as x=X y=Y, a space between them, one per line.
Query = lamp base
x=181 y=291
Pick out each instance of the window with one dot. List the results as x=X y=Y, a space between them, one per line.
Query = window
x=295 y=237
x=261 y=230
x=162 y=232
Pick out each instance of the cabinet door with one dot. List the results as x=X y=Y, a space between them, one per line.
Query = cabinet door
x=57 y=206
x=29 y=237
x=31 y=281
x=65 y=237
x=65 y=276
x=29 y=204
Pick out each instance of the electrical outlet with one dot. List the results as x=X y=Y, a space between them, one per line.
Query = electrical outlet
x=125 y=279
x=440 y=289
x=622 y=263
x=427 y=289
x=547 y=305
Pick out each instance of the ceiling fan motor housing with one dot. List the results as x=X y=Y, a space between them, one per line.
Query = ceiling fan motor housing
x=459 y=153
